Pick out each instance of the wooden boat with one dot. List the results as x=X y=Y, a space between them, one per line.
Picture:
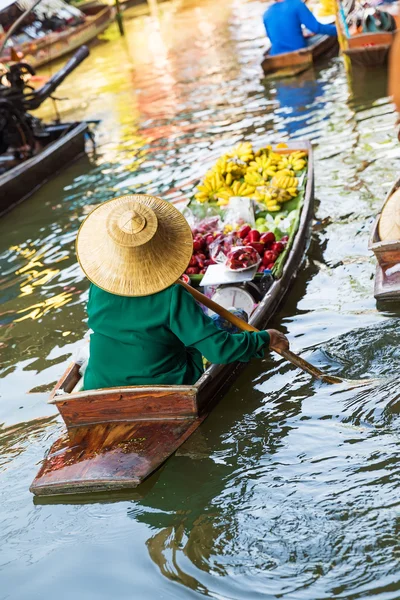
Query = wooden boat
x=293 y=63
x=366 y=49
x=387 y=278
x=117 y=437
x=63 y=143
x=50 y=147
x=55 y=45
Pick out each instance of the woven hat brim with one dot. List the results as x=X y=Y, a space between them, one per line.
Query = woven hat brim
x=141 y=270
x=389 y=221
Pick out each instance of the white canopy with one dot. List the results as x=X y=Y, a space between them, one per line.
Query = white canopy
x=45 y=7
x=6 y=3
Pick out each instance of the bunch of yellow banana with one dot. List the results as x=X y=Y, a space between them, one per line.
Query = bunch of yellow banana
x=242 y=152
x=284 y=181
x=237 y=189
x=260 y=163
x=294 y=160
x=297 y=160
x=271 y=174
x=272 y=206
x=286 y=185
x=254 y=178
x=263 y=194
x=228 y=169
x=211 y=188
x=268 y=197
x=262 y=151
x=276 y=157
x=263 y=165
x=279 y=195
x=284 y=195
x=283 y=162
x=284 y=172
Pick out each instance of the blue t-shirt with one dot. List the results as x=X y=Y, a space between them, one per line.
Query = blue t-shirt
x=283 y=21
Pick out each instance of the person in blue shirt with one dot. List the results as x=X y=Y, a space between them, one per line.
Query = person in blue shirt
x=283 y=21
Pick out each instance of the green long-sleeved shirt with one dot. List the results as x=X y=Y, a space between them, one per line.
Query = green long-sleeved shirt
x=158 y=339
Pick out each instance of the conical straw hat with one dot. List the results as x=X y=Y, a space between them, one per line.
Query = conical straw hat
x=134 y=245
x=389 y=222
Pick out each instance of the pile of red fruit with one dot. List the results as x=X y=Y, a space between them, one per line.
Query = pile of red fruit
x=207 y=245
x=201 y=254
x=264 y=243
x=242 y=258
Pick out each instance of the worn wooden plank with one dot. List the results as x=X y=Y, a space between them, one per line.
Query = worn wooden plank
x=126 y=404
x=299 y=61
x=360 y=40
x=109 y=457
x=387 y=287
x=67 y=381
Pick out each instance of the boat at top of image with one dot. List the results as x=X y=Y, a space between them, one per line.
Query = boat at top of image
x=291 y=64
x=32 y=151
x=385 y=244
x=51 y=30
x=116 y=437
x=366 y=32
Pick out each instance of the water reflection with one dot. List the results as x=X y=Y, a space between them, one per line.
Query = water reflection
x=298 y=99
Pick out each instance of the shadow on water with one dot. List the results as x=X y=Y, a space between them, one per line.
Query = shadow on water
x=367 y=85
x=290 y=488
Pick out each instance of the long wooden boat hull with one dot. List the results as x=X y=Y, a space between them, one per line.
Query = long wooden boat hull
x=365 y=49
x=117 y=437
x=387 y=279
x=55 y=45
x=294 y=63
x=23 y=180
x=387 y=286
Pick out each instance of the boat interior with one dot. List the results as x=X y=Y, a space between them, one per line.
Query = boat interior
x=357 y=31
x=43 y=138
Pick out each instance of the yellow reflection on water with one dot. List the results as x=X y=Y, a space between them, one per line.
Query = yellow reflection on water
x=41 y=308
x=34 y=273
x=32 y=276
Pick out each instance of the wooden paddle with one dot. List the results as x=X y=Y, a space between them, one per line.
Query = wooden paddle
x=238 y=322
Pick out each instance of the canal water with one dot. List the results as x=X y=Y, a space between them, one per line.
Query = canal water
x=290 y=489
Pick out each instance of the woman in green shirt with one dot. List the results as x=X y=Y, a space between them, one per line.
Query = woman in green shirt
x=147 y=329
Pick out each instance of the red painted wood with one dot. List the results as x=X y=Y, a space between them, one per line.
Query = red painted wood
x=110 y=456
x=387 y=286
x=126 y=404
x=370 y=39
